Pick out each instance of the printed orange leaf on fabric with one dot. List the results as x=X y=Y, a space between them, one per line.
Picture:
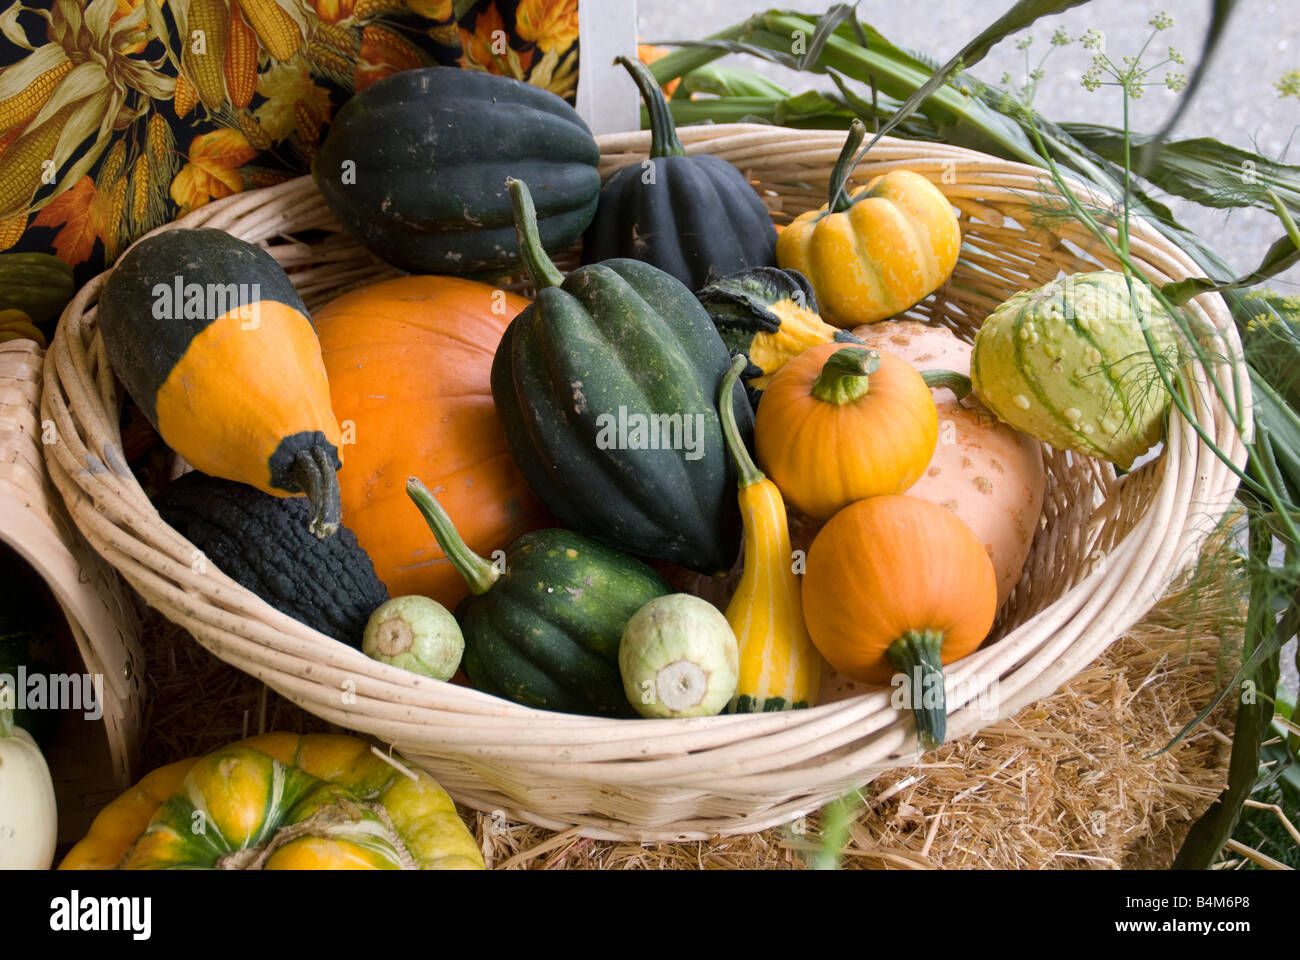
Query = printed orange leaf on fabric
x=76 y=210
x=332 y=11
x=488 y=47
x=211 y=172
x=432 y=9
x=551 y=24
x=382 y=54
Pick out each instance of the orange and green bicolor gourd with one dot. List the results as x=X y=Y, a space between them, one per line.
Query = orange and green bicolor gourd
x=280 y=801
x=217 y=349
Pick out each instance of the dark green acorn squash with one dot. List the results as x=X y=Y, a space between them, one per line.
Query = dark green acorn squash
x=770 y=316
x=605 y=388
x=262 y=542
x=694 y=217
x=545 y=632
x=414 y=167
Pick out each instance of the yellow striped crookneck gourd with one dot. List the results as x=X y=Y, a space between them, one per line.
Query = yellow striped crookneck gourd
x=280 y=801
x=780 y=669
x=217 y=349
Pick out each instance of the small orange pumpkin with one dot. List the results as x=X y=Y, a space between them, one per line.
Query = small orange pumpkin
x=409 y=362
x=899 y=585
x=837 y=424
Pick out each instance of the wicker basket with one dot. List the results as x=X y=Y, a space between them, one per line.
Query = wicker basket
x=1106 y=550
x=90 y=761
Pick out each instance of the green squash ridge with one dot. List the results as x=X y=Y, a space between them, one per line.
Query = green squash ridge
x=1027 y=376
x=557 y=420
x=548 y=651
x=652 y=335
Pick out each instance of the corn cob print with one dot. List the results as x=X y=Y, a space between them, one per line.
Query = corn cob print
x=269 y=75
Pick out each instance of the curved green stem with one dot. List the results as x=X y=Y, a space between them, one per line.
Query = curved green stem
x=839 y=199
x=663 y=131
x=958 y=383
x=313 y=473
x=478 y=573
x=745 y=466
x=846 y=375
x=917 y=655
x=541 y=270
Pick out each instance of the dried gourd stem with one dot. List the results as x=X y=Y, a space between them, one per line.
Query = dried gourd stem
x=313 y=473
x=747 y=472
x=478 y=573
x=663 y=131
x=324 y=823
x=844 y=165
x=846 y=375
x=917 y=655
x=541 y=269
x=958 y=383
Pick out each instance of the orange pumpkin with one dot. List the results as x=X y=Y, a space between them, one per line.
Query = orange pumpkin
x=837 y=424
x=409 y=361
x=899 y=585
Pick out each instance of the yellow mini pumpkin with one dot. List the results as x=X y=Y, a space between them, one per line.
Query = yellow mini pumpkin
x=875 y=252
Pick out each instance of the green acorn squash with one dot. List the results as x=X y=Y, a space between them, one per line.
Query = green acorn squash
x=695 y=217
x=605 y=388
x=263 y=543
x=414 y=167
x=545 y=632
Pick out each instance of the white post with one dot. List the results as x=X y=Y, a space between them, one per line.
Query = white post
x=607 y=97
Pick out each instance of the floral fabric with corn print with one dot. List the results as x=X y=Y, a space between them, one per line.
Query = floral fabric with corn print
x=117 y=116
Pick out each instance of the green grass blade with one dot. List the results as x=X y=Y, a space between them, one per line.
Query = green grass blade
x=1207 y=836
x=1023 y=14
x=826 y=25
x=724 y=81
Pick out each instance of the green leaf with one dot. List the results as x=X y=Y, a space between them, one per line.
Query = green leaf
x=1024 y=13
x=462 y=7
x=1208 y=835
x=1203 y=170
x=1282 y=255
x=725 y=81
x=826 y=25
x=720 y=48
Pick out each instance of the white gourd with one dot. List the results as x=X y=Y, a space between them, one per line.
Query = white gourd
x=28 y=813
